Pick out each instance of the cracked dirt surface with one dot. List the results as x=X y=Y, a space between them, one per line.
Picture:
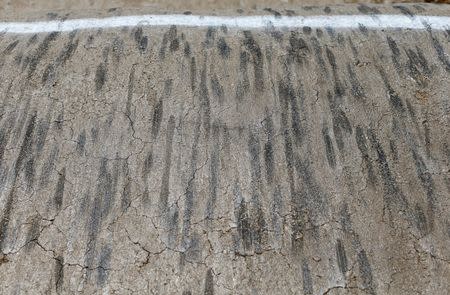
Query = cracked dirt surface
x=222 y=161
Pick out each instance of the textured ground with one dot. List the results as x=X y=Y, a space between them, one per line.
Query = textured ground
x=21 y=7
x=223 y=161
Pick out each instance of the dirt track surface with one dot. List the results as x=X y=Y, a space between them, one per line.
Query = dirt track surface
x=29 y=7
x=224 y=161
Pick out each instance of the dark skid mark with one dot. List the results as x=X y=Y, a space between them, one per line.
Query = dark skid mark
x=209 y=283
x=29 y=171
x=439 y=50
x=100 y=76
x=104 y=262
x=40 y=52
x=130 y=94
x=148 y=163
x=268 y=148
x=362 y=146
x=93 y=227
x=41 y=134
x=170 y=37
x=363 y=29
x=157 y=118
x=10 y=47
x=4 y=223
x=288 y=95
x=257 y=58
x=143 y=44
x=224 y=29
x=329 y=149
x=340 y=119
x=396 y=56
x=331 y=32
x=290 y=12
x=187 y=49
x=59 y=192
x=26 y=147
x=259 y=229
x=393 y=149
x=25 y=150
x=340 y=122
x=141 y=41
x=193 y=73
x=257 y=222
x=210 y=37
x=254 y=150
x=59 y=122
x=243 y=227
x=214 y=171
x=311 y=193
x=341 y=257
x=217 y=89
x=319 y=33
x=297 y=227
x=421 y=221
x=345 y=220
x=428 y=185
x=243 y=84
x=118 y=48
x=338 y=87
x=318 y=54
x=357 y=90
x=173 y=226
x=49 y=74
x=107 y=185
x=365 y=271
x=47 y=167
x=393 y=194
x=274 y=32
x=33 y=232
x=190 y=189
x=204 y=101
x=94 y=134
x=298 y=49
x=224 y=49
x=126 y=192
x=341 y=39
x=419 y=8
x=405 y=10
x=59 y=273
x=367 y=9
x=277 y=207
x=418 y=66
x=81 y=142
x=274 y=12
x=394 y=99
x=307 y=279
x=353 y=48
x=33 y=39
x=307 y=30
x=165 y=181
x=67 y=52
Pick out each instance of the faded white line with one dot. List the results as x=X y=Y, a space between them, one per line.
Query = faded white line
x=382 y=21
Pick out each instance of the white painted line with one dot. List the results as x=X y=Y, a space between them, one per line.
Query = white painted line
x=382 y=21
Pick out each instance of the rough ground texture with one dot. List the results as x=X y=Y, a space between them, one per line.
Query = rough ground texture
x=20 y=7
x=222 y=161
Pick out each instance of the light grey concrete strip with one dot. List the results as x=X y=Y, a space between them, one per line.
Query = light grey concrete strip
x=383 y=21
